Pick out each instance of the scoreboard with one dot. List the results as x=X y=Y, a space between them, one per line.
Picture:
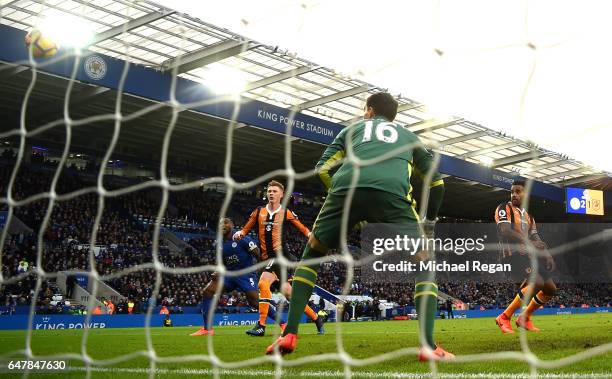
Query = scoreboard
x=584 y=201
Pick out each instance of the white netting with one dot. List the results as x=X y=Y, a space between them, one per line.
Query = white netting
x=132 y=53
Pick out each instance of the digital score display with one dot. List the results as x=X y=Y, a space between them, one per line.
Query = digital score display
x=584 y=201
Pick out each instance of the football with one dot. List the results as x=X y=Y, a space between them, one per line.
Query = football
x=40 y=45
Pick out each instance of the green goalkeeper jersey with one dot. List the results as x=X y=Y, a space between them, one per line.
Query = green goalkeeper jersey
x=371 y=139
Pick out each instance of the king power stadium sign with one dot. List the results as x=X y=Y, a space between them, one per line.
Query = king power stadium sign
x=49 y=323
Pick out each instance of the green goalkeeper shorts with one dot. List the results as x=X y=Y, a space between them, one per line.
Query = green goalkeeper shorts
x=373 y=206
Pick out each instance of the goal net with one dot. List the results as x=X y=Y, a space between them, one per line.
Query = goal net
x=121 y=155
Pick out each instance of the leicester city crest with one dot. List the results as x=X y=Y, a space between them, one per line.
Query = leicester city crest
x=95 y=67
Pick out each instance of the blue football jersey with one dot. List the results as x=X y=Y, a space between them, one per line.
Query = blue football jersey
x=238 y=254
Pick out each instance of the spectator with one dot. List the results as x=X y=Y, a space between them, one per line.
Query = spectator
x=23 y=266
x=449 y=308
x=110 y=307
x=70 y=283
x=167 y=321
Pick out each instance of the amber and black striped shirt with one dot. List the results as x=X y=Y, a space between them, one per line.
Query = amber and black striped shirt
x=270 y=228
x=519 y=220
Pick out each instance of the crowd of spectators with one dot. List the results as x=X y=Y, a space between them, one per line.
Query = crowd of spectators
x=123 y=241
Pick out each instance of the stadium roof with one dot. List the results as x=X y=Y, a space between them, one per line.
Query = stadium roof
x=161 y=38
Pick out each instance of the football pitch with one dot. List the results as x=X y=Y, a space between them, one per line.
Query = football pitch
x=122 y=351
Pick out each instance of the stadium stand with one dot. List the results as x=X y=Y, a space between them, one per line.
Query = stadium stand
x=125 y=241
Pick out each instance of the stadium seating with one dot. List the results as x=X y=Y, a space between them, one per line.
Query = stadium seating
x=125 y=240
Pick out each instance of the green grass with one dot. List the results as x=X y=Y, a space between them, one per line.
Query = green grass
x=561 y=336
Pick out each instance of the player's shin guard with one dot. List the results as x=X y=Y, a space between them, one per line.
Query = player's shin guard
x=303 y=282
x=265 y=296
x=205 y=308
x=538 y=301
x=426 y=301
x=517 y=302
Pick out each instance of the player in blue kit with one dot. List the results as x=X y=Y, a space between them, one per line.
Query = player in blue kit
x=237 y=255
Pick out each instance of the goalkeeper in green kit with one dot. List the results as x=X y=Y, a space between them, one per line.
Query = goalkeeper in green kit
x=382 y=194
